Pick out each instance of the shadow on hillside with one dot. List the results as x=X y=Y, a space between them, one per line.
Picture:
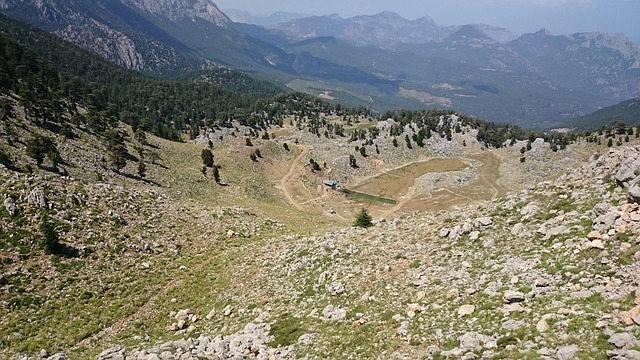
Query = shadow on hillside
x=160 y=165
x=138 y=178
x=66 y=251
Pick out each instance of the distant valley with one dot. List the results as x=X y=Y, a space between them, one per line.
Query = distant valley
x=381 y=62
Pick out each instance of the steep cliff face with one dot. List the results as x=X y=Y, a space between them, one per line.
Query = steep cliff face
x=163 y=36
x=109 y=28
x=178 y=10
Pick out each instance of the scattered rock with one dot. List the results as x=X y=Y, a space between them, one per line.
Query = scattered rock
x=567 y=352
x=517 y=229
x=333 y=313
x=623 y=340
x=483 y=221
x=542 y=326
x=594 y=235
x=596 y=244
x=621 y=354
x=634 y=194
x=476 y=341
x=465 y=310
x=511 y=297
x=114 y=353
x=36 y=198
x=10 y=206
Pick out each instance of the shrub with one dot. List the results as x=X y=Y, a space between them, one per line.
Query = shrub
x=50 y=241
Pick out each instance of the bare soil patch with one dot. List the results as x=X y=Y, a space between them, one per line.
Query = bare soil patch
x=484 y=187
x=396 y=182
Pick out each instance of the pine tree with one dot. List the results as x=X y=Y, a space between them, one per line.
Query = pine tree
x=207 y=157
x=352 y=161
x=39 y=147
x=141 y=137
x=142 y=168
x=363 y=219
x=116 y=150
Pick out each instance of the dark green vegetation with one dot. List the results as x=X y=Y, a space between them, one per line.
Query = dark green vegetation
x=363 y=219
x=368 y=197
x=627 y=111
x=62 y=77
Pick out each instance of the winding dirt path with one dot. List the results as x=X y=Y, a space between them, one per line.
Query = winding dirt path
x=283 y=181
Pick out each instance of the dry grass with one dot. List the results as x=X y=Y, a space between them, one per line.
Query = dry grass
x=398 y=181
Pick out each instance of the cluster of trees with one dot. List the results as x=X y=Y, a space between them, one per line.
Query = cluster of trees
x=424 y=123
x=618 y=131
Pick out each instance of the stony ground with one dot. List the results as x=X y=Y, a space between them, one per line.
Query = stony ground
x=551 y=271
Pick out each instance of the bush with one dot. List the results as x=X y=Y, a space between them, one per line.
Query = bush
x=5 y=159
x=50 y=241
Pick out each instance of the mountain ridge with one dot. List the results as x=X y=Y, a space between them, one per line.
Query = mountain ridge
x=419 y=59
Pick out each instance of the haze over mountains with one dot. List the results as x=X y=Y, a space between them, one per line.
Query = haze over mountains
x=381 y=61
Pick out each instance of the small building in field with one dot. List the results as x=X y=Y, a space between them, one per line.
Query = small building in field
x=331 y=183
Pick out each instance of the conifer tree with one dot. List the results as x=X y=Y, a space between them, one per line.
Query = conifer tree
x=363 y=219
x=116 y=150
x=207 y=157
x=39 y=147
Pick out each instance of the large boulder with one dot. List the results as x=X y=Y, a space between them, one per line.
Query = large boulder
x=37 y=198
x=601 y=209
x=476 y=341
x=634 y=194
x=627 y=171
x=10 y=206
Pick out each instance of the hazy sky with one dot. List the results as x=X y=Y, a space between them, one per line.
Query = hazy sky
x=520 y=16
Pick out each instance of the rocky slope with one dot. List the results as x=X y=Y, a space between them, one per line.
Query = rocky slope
x=548 y=272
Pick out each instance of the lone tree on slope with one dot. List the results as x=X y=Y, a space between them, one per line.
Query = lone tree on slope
x=363 y=219
x=207 y=158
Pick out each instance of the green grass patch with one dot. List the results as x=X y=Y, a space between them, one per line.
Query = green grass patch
x=286 y=330
x=368 y=197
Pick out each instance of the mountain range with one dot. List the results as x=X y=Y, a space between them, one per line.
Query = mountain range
x=381 y=61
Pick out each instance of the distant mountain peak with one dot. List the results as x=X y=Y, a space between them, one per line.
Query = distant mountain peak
x=388 y=14
x=543 y=31
x=425 y=20
x=334 y=16
x=179 y=9
x=468 y=31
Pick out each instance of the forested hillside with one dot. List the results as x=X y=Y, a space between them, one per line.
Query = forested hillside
x=160 y=105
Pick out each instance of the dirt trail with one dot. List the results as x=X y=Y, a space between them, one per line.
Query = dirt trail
x=122 y=323
x=285 y=179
